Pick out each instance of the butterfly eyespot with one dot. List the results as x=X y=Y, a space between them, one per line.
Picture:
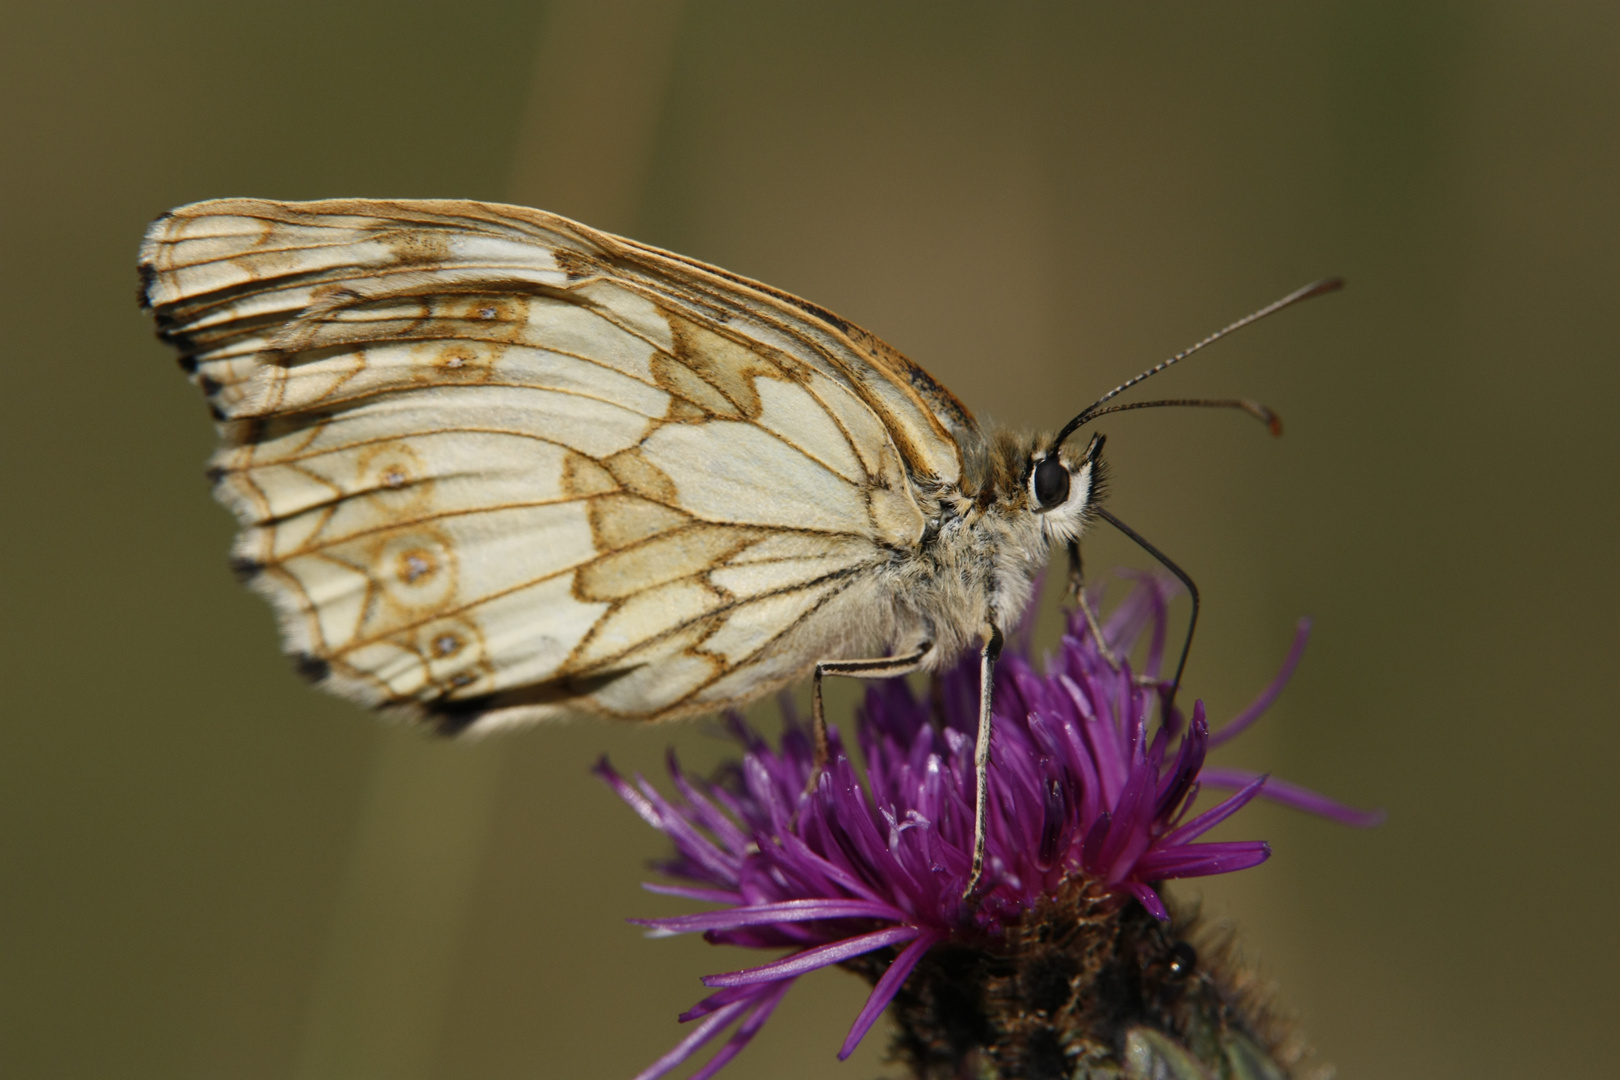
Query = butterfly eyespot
x=446 y=645
x=486 y=313
x=1050 y=483
x=394 y=478
x=414 y=566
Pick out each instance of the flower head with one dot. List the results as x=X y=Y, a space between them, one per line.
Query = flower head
x=1090 y=808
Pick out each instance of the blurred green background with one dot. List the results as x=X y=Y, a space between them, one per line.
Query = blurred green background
x=209 y=871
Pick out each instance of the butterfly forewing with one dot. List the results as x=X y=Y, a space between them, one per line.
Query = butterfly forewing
x=493 y=465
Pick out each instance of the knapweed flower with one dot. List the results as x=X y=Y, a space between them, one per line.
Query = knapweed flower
x=1068 y=945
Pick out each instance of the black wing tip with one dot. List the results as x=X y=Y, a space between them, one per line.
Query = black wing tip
x=147 y=271
x=245 y=570
x=143 y=295
x=450 y=717
x=311 y=668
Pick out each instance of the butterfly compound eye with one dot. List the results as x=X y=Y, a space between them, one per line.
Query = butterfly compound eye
x=1050 y=483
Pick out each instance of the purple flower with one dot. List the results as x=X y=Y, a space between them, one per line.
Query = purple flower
x=1089 y=805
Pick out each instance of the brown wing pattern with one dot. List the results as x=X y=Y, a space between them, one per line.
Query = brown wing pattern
x=493 y=465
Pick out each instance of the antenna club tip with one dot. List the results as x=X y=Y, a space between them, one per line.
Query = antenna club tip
x=1272 y=421
x=1326 y=285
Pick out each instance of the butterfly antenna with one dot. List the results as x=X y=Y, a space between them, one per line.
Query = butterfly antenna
x=1092 y=411
x=1272 y=421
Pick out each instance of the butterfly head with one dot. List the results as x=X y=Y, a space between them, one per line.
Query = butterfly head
x=1061 y=485
x=1037 y=494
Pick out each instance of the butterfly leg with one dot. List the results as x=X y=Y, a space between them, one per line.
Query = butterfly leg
x=1077 y=583
x=981 y=757
x=1192 y=591
x=882 y=668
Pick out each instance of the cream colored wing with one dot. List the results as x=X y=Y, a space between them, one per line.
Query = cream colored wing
x=493 y=466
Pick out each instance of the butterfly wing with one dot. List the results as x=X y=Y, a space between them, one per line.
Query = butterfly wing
x=492 y=465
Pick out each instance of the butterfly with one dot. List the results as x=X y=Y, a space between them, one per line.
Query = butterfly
x=493 y=466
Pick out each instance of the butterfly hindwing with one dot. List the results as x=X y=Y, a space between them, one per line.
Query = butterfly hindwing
x=492 y=465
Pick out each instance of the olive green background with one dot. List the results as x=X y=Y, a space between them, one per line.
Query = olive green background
x=209 y=871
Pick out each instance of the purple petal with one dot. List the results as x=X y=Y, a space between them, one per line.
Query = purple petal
x=784 y=911
x=1297 y=797
x=806 y=859
x=1054 y=821
x=688 y=840
x=765 y=1003
x=1148 y=899
x=1129 y=837
x=888 y=986
x=1235 y=726
x=690 y=1045
x=1189 y=760
x=1212 y=817
x=1143 y=606
x=1091 y=846
x=1102 y=742
x=1161 y=609
x=761 y=787
x=704 y=811
x=1201 y=860
x=717 y=1000
x=621 y=787
x=811 y=959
